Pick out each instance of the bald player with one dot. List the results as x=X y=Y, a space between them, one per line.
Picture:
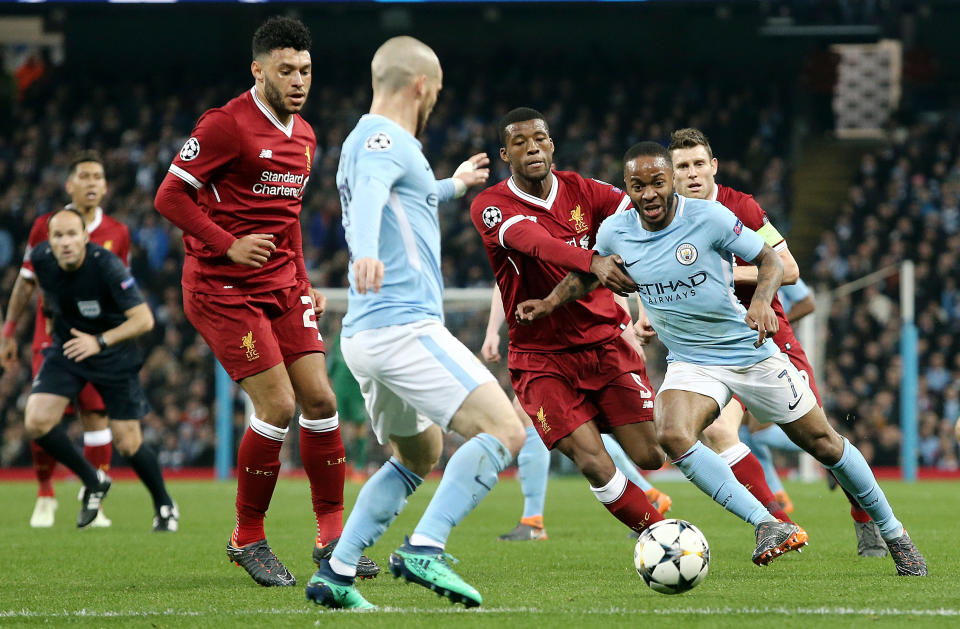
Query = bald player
x=417 y=379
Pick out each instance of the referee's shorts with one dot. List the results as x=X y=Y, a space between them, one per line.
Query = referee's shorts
x=123 y=397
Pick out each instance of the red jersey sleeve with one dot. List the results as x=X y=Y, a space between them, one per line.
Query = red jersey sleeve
x=753 y=216
x=38 y=233
x=211 y=146
x=605 y=199
x=508 y=228
x=121 y=248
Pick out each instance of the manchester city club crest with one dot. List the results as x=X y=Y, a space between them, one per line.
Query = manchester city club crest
x=686 y=254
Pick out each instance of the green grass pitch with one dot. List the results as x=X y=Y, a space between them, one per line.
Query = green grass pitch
x=583 y=576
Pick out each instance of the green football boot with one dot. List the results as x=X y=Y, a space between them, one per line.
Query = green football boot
x=430 y=567
x=334 y=591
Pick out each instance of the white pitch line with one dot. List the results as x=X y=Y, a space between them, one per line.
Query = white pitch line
x=681 y=611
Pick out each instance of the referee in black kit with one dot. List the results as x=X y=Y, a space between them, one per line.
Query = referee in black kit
x=96 y=309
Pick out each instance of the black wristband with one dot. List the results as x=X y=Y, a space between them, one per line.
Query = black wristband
x=102 y=342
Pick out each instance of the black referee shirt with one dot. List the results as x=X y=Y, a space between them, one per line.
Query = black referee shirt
x=92 y=299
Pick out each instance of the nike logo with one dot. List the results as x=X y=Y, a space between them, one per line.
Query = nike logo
x=794 y=405
x=630 y=263
x=481 y=483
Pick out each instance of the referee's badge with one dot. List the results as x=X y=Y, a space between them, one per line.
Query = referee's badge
x=89 y=309
x=686 y=254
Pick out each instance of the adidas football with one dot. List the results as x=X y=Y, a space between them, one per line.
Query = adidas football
x=672 y=556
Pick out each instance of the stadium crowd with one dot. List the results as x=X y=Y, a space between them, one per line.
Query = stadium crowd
x=914 y=184
x=904 y=204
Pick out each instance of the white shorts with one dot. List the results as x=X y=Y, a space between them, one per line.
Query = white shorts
x=412 y=375
x=773 y=390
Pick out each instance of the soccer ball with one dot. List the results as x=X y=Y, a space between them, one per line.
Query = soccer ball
x=672 y=556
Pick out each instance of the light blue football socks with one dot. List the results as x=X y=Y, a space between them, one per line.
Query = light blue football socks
x=533 y=467
x=707 y=470
x=469 y=476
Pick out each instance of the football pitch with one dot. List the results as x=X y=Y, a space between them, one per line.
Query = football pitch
x=583 y=576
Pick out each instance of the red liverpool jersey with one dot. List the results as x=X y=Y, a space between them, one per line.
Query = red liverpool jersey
x=749 y=211
x=107 y=232
x=250 y=172
x=533 y=243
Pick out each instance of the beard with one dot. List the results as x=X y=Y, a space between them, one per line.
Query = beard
x=275 y=98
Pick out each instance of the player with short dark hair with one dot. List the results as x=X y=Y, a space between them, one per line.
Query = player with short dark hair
x=236 y=190
x=678 y=252
x=694 y=170
x=96 y=311
x=86 y=184
x=573 y=374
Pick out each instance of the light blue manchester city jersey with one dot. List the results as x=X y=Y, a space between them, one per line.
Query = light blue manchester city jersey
x=684 y=275
x=389 y=198
x=792 y=293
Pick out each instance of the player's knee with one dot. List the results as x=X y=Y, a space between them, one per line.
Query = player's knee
x=597 y=470
x=422 y=464
x=279 y=411
x=512 y=435
x=827 y=448
x=36 y=425
x=650 y=459
x=674 y=439
x=127 y=437
x=319 y=407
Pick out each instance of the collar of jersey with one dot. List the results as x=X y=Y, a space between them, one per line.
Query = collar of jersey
x=716 y=192
x=287 y=130
x=395 y=124
x=547 y=203
x=97 y=218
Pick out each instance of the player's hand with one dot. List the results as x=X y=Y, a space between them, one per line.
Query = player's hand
x=319 y=302
x=368 y=273
x=643 y=331
x=473 y=171
x=81 y=346
x=612 y=274
x=763 y=319
x=252 y=250
x=532 y=309
x=490 y=350
x=8 y=352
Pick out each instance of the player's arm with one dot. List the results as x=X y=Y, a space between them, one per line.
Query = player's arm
x=296 y=245
x=490 y=350
x=760 y=316
x=755 y=217
x=363 y=201
x=123 y=289
x=139 y=321
x=643 y=329
x=571 y=288
x=23 y=290
x=801 y=308
x=522 y=234
x=743 y=274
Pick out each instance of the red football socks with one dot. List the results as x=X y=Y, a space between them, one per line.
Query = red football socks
x=43 y=466
x=99 y=456
x=750 y=474
x=258 y=464
x=627 y=503
x=324 y=461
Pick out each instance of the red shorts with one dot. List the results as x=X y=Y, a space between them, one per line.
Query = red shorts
x=560 y=392
x=252 y=333
x=88 y=399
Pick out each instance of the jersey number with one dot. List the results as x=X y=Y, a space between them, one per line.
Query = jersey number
x=310 y=315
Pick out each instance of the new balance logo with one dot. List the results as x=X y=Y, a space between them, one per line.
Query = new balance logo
x=266 y=153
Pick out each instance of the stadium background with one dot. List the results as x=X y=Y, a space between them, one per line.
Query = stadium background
x=130 y=81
